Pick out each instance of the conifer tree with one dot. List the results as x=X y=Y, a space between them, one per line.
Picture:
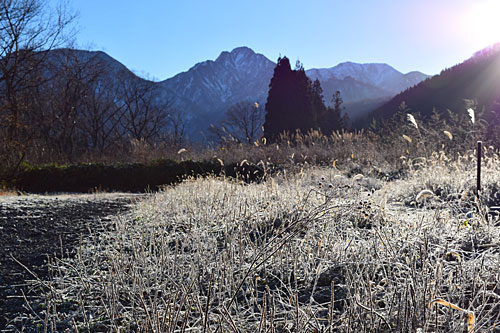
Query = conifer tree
x=295 y=103
x=278 y=102
x=317 y=102
x=332 y=119
x=289 y=104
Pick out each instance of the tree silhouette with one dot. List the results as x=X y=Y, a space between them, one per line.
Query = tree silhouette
x=291 y=100
x=295 y=103
x=332 y=119
x=319 y=109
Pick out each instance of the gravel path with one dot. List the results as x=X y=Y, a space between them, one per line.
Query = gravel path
x=34 y=226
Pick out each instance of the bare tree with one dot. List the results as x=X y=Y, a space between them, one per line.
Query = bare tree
x=144 y=117
x=74 y=81
x=242 y=123
x=101 y=116
x=28 y=28
x=176 y=124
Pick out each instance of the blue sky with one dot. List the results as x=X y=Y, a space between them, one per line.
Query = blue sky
x=159 y=39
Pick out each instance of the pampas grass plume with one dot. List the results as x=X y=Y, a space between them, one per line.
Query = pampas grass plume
x=357 y=177
x=412 y=120
x=471 y=115
x=424 y=194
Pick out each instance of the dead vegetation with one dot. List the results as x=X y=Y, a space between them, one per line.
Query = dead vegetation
x=315 y=250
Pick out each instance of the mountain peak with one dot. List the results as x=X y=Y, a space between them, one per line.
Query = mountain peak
x=237 y=55
x=242 y=49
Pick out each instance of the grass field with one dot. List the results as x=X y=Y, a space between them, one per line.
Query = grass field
x=313 y=250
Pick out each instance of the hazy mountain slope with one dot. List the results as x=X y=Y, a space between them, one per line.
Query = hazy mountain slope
x=363 y=87
x=477 y=78
x=384 y=79
x=358 y=109
x=352 y=90
x=83 y=59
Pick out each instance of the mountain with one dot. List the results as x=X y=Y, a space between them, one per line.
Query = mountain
x=363 y=87
x=209 y=88
x=475 y=79
x=80 y=57
x=234 y=76
x=382 y=79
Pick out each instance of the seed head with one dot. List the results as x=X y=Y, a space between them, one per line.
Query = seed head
x=412 y=120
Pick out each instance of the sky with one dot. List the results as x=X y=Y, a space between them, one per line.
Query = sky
x=160 y=38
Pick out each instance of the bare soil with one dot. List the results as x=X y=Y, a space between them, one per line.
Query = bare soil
x=33 y=227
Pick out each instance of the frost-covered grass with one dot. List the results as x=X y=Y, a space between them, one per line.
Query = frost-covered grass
x=312 y=251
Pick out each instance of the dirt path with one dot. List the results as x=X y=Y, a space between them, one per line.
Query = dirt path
x=34 y=226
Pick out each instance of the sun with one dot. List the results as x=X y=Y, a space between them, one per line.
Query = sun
x=481 y=24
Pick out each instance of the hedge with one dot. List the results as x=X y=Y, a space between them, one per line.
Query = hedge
x=128 y=177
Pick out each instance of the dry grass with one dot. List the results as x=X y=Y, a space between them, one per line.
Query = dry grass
x=308 y=251
x=7 y=193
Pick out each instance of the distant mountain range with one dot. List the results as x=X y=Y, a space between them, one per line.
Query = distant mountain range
x=358 y=82
x=209 y=88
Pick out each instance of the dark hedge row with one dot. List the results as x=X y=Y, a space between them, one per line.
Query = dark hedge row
x=131 y=177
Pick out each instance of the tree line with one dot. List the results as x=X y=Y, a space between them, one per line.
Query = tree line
x=294 y=104
x=59 y=102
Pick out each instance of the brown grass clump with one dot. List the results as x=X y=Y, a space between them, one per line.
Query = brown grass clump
x=7 y=191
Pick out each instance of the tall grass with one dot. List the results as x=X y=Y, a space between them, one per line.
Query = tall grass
x=312 y=251
x=336 y=242
x=384 y=148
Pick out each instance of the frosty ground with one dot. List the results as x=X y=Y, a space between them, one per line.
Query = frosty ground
x=318 y=249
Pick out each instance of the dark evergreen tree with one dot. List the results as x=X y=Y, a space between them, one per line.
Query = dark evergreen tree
x=278 y=103
x=289 y=104
x=319 y=108
x=332 y=119
x=295 y=103
x=303 y=113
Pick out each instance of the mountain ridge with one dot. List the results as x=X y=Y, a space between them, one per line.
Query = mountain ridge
x=210 y=87
x=205 y=91
x=474 y=81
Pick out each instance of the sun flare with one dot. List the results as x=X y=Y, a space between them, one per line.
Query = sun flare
x=481 y=23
